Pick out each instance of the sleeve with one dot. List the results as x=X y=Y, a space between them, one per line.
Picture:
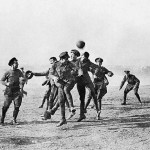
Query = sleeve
x=5 y=76
x=93 y=67
x=41 y=73
x=137 y=82
x=21 y=74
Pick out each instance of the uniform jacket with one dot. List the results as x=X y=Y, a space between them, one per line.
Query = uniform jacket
x=131 y=79
x=64 y=71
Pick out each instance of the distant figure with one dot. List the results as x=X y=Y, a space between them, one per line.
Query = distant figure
x=133 y=84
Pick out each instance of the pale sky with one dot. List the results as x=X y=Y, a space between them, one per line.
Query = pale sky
x=35 y=30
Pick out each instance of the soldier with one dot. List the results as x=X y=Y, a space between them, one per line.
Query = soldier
x=47 y=92
x=100 y=83
x=24 y=74
x=12 y=79
x=84 y=81
x=133 y=84
x=74 y=58
x=69 y=102
x=48 y=82
x=62 y=72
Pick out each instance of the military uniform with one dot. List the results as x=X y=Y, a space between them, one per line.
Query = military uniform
x=100 y=84
x=11 y=79
x=84 y=81
x=68 y=88
x=133 y=84
x=65 y=80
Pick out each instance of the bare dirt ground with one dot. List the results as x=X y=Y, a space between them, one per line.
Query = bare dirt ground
x=120 y=128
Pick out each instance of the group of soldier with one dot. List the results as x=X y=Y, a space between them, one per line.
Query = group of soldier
x=61 y=78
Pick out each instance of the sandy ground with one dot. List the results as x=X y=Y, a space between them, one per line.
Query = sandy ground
x=120 y=128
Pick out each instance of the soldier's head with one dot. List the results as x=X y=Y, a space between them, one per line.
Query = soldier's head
x=99 y=61
x=85 y=55
x=127 y=72
x=52 y=60
x=13 y=63
x=74 y=54
x=63 y=57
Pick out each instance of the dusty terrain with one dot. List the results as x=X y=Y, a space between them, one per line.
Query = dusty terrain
x=120 y=128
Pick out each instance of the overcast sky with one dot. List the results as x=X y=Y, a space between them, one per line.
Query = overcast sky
x=116 y=30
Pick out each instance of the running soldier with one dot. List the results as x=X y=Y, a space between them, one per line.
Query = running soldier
x=100 y=83
x=133 y=84
x=13 y=80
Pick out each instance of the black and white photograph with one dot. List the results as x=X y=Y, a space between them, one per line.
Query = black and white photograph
x=74 y=74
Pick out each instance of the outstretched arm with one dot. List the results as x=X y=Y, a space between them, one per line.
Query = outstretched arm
x=122 y=83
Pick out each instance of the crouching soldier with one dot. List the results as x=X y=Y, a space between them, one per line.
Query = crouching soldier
x=133 y=84
x=13 y=91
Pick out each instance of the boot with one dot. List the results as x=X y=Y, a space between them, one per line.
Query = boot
x=15 y=114
x=98 y=115
x=81 y=118
x=4 y=110
x=62 y=121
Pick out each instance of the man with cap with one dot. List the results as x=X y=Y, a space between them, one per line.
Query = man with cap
x=49 y=82
x=84 y=81
x=13 y=80
x=100 y=83
x=132 y=84
x=62 y=73
x=69 y=102
x=74 y=58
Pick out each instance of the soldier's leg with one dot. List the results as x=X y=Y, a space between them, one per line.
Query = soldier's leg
x=90 y=87
x=126 y=91
x=67 y=89
x=17 y=104
x=89 y=97
x=43 y=101
x=53 y=94
x=100 y=95
x=7 y=102
x=61 y=99
x=81 y=91
x=137 y=94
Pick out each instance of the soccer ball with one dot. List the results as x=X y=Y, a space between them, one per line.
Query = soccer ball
x=47 y=115
x=80 y=44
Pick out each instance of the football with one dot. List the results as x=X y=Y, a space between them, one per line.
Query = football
x=47 y=115
x=80 y=44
